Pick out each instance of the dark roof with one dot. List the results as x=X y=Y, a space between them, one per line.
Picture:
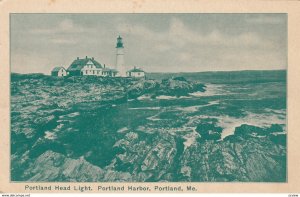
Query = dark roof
x=78 y=64
x=109 y=70
x=56 y=69
x=136 y=70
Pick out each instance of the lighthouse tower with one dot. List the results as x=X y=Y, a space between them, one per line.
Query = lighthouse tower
x=120 y=66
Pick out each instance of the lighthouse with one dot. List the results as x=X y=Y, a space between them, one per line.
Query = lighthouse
x=120 y=66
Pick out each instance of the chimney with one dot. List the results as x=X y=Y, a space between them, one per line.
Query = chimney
x=92 y=58
x=104 y=65
x=77 y=58
x=85 y=57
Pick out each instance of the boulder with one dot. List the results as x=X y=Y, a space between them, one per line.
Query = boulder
x=209 y=131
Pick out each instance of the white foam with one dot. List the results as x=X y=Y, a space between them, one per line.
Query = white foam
x=229 y=123
x=190 y=138
x=189 y=109
x=50 y=135
x=144 y=97
x=71 y=115
x=185 y=97
x=260 y=120
x=122 y=130
x=277 y=111
x=197 y=107
x=165 y=97
x=144 y=108
x=153 y=118
x=211 y=90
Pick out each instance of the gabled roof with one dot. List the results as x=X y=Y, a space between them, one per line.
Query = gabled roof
x=136 y=70
x=56 y=69
x=78 y=64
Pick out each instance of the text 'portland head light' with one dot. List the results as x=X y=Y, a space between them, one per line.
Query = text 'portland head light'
x=120 y=64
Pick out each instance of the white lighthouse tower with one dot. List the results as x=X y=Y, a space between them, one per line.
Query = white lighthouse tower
x=120 y=66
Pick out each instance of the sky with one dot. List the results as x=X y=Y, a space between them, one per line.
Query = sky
x=153 y=42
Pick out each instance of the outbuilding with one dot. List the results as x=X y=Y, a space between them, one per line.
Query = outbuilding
x=59 y=72
x=135 y=72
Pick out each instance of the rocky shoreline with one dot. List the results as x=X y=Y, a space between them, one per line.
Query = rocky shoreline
x=54 y=140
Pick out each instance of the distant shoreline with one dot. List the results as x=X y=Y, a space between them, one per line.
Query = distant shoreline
x=188 y=72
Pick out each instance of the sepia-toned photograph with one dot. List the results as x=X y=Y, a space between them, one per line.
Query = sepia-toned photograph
x=155 y=97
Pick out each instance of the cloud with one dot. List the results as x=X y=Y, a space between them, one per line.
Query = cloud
x=181 y=44
x=136 y=30
x=63 y=41
x=185 y=56
x=64 y=26
x=264 y=19
x=179 y=35
x=185 y=36
x=162 y=47
x=173 y=44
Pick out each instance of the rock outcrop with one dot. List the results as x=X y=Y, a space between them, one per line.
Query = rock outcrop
x=177 y=86
x=52 y=166
x=68 y=129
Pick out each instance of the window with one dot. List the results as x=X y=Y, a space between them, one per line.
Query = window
x=93 y=72
x=86 y=72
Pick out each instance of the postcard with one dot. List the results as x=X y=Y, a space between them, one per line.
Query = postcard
x=149 y=96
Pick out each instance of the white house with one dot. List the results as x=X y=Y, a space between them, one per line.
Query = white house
x=89 y=66
x=135 y=72
x=59 y=72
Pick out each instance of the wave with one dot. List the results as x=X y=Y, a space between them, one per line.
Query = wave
x=260 y=120
x=211 y=90
x=190 y=138
x=50 y=135
x=144 y=97
x=145 y=108
x=165 y=97
x=196 y=108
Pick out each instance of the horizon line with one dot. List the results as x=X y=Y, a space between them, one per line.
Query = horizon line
x=176 y=72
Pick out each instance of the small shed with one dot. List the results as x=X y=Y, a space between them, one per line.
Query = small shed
x=135 y=72
x=109 y=72
x=59 y=72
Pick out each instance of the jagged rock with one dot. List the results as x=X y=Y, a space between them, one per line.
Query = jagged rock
x=178 y=87
x=142 y=87
x=52 y=166
x=247 y=130
x=275 y=128
x=209 y=131
x=279 y=139
x=250 y=159
x=154 y=151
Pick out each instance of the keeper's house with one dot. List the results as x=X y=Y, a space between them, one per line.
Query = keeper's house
x=59 y=72
x=135 y=73
x=89 y=66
